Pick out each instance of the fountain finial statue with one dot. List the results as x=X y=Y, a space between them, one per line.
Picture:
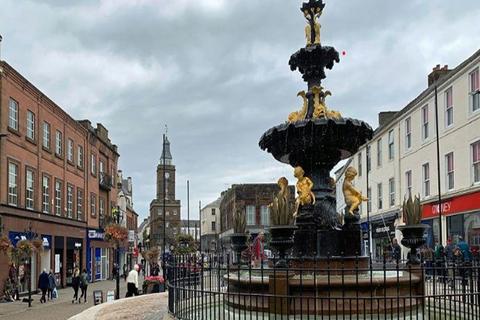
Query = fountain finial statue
x=353 y=197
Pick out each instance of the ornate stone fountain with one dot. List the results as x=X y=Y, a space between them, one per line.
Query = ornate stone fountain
x=327 y=261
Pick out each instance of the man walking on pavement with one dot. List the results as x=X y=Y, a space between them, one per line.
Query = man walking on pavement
x=132 y=282
x=43 y=285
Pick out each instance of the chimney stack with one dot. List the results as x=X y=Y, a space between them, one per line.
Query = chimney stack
x=385 y=116
x=437 y=73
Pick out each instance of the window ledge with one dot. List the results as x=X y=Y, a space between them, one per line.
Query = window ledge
x=32 y=141
x=14 y=131
x=46 y=149
x=59 y=156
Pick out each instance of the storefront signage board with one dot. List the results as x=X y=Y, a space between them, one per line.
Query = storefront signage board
x=463 y=203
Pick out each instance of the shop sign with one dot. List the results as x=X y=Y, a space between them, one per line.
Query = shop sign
x=96 y=234
x=16 y=236
x=463 y=203
x=47 y=240
x=78 y=244
x=131 y=235
x=382 y=229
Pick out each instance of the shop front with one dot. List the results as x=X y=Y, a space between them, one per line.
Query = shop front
x=99 y=255
x=383 y=233
x=461 y=219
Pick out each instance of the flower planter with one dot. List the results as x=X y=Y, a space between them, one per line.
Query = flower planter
x=282 y=241
x=412 y=239
x=239 y=243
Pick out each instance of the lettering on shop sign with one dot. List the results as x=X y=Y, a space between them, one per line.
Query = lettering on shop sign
x=446 y=207
x=382 y=229
x=94 y=234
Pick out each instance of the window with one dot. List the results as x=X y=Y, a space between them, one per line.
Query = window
x=46 y=194
x=80 y=157
x=214 y=226
x=474 y=90
x=69 y=201
x=213 y=211
x=101 y=167
x=250 y=215
x=58 y=197
x=359 y=159
x=379 y=152
x=12 y=184
x=408 y=133
x=425 y=130
x=101 y=210
x=476 y=161
x=58 y=143
x=408 y=181
x=93 y=205
x=79 y=204
x=391 y=145
x=29 y=189
x=13 y=114
x=369 y=159
x=30 y=125
x=391 y=189
x=46 y=135
x=265 y=213
x=70 y=150
x=450 y=171
x=448 y=107
x=379 y=196
x=93 y=164
x=426 y=179
x=369 y=201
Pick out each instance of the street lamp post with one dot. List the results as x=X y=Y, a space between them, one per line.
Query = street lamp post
x=117 y=257
x=30 y=235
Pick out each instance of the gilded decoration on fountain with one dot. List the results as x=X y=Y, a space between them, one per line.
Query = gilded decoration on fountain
x=281 y=213
x=353 y=197
x=305 y=195
x=299 y=115
x=312 y=30
x=320 y=109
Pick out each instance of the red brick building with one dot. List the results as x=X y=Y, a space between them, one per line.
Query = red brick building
x=56 y=176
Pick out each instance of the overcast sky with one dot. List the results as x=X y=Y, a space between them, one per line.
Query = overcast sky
x=216 y=72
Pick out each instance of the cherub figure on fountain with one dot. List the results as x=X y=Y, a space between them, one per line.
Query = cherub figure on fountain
x=353 y=197
x=304 y=190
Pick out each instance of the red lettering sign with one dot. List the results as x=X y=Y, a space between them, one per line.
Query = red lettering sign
x=467 y=202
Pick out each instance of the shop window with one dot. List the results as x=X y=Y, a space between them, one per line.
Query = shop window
x=455 y=227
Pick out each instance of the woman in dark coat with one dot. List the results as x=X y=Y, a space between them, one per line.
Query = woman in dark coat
x=43 y=285
x=75 y=283
x=51 y=284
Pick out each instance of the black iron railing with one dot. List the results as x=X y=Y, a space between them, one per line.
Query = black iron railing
x=105 y=181
x=210 y=286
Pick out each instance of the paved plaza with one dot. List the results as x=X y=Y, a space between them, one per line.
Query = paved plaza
x=59 y=309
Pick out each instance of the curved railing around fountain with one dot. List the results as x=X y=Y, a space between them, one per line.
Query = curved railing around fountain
x=210 y=286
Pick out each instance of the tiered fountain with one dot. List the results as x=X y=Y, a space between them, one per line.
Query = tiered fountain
x=313 y=140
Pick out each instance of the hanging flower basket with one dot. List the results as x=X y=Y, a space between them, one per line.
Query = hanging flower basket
x=5 y=244
x=25 y=249
x=37 y=244
x=116 y=234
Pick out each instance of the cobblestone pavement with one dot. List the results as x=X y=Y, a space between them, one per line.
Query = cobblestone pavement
x=59 y=309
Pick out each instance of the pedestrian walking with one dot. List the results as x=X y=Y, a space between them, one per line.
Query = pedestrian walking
x=51 y=284
x=43 y=285
x=75 y=283
x=125 y=271
x=132 y=282
x=396 y=251
x=83 y=286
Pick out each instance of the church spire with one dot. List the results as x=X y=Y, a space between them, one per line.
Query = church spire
x=166 y=155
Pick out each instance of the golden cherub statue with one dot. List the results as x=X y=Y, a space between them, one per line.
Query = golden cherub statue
x=308 y=28
x=320 y=109
x=304 y=190
x=299 y=115
x=353 y=197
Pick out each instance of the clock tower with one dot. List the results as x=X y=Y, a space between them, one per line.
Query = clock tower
x=165 y=179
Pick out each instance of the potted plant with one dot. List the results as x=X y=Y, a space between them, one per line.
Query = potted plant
x=413 y=230
x=281 y=219
x=153 y=284
x=239 y=238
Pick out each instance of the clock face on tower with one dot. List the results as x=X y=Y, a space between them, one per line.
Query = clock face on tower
x=167 y=175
